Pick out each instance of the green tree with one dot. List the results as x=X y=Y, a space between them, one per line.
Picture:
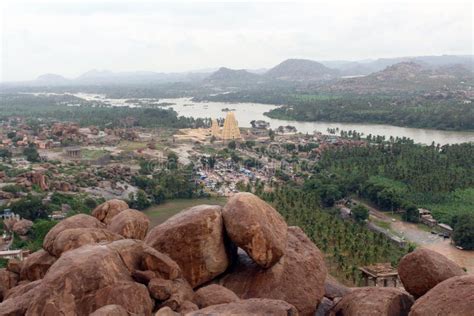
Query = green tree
x=232 y=145
x=360 y=213
x=31 y=153
x=411 y=214
x=463 y=234
x=29 y=207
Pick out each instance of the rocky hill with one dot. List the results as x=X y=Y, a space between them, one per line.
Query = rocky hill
x=230 y=77
x=240 y=259
x=301 y=70
x=405 y=76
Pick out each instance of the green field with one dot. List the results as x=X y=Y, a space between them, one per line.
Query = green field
x=91 y=154
x=160 y=213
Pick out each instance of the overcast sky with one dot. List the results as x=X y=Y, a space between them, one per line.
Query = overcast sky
x=70 y=37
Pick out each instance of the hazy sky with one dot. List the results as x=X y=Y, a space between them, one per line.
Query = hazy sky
x=70 y=37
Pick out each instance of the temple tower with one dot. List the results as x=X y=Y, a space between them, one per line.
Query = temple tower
x=231 y=128
x=215 y=129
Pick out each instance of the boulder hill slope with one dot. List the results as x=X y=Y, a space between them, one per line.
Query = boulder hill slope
x=241 y=259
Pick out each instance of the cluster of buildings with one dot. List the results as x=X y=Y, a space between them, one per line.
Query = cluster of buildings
x=427 y=218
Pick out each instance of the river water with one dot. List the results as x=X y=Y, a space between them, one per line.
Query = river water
x=246 y=112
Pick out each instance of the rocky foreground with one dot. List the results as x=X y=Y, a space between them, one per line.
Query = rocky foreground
x=241 y=259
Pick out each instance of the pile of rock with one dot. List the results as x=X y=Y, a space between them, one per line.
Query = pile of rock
x=27 y=179
x=241 y=259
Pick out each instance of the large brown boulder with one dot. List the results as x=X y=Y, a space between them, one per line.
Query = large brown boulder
x=137 y=256
x=333 y=288
x=133 y=297
x=298 y=278
x=76 y=221
x=374 y=301
x=452 y=297
x=36 y=265
x=40 y=180
x=179 y=291
x=107 y=210
x=8 y=280
x=194 y=238
x=76 y=237
x=71 y=284
x=256 y=227
x=19 y=298
x=22 y=227
x=21 y=289
x=110 y=310
x=256 y=306
x=130 y=224
x=214 y=294
x=422 y=269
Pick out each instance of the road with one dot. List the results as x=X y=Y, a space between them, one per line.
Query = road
x=423 y=238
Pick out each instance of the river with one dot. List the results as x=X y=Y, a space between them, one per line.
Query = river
x=246 y=112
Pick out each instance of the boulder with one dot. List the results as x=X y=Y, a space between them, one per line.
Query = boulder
x=36 y=265
x=214 y=294
x=422 y=269
x=133 y=297
x=194 y=238
x=76 y=221
x=333 y=288
x=40 y=180
x=324 y=307
x=14 y=265
x=298 y=278
x=256 y=306
x=20 y=298
x=8 y=280
x=166 y=311
x=130 y=224
x=110 y=310
x=107 y=210
x=21 y=289
x=76 y=237
x=187 y=307
x=374 y=301
x=137 y=256
x=256 y=227
x=143 y=277
x=180 y=292
x=454 y=296
x=72 y=282
x=22 y=227
x=160 y=289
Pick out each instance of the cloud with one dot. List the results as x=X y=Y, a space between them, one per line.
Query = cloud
x=71 y=37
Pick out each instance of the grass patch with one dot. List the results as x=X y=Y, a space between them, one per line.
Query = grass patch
x=458 y=202
x=382 y=224
x=160 y=213
x=93 y=154
x=131 y=146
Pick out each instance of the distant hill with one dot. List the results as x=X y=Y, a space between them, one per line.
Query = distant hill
x=405 y=76
x=52 y=79
x=301 y=70
x=134 y=77
x=227 y=76
x=365 y=67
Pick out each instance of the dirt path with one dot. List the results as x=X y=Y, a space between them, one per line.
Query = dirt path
x=423 y=238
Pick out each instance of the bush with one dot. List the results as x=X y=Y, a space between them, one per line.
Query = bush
x=360 y=213
x=463 y=234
